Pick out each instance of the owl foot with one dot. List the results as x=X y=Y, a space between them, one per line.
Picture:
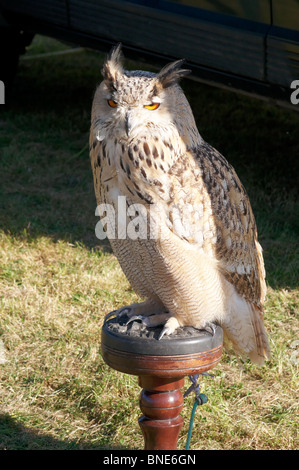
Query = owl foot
x=142 y=309
x=151 y=320
x=172 y=324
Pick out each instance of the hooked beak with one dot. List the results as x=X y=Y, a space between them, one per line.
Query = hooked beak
x=128 y=123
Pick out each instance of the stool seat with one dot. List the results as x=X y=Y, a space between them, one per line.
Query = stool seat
x=135 y=349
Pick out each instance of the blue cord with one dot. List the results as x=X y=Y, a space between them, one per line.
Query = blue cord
x=200 y=399
x=196 y=403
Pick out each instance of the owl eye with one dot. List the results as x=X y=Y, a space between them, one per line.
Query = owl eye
x=152 y=106
x=112 y=103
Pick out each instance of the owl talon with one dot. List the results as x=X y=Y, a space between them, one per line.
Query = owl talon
x=124 y=311
x=210 y=328
x=137 y=318
x=118 y=313
x=170 y=326
x=165 y=332
x=109 y=315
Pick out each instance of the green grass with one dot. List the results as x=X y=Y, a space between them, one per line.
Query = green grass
x=57 y=280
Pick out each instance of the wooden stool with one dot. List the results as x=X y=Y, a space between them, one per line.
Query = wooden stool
x=161 y=366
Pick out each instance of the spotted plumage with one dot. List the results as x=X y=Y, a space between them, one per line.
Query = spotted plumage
x=187 y=239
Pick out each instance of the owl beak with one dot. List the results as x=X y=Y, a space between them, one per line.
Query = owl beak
x=128 y=123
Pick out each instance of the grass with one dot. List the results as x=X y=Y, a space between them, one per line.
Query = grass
x=57 y=281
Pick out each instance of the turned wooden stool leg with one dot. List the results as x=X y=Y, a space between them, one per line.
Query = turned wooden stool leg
x=161 y=402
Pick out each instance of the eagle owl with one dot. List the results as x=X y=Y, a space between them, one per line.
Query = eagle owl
x=193 y=256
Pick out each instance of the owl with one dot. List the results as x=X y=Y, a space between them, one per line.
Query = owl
x=180 y=221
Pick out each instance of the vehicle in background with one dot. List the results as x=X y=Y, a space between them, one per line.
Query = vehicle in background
x=249 y=46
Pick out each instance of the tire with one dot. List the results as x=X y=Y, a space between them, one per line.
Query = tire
x=13 y=43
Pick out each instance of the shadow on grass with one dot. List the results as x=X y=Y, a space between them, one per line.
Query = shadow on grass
x=45 y=170
x=16 y=436
x=46 y=175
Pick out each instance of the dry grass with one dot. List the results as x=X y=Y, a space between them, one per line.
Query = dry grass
x=56 y=282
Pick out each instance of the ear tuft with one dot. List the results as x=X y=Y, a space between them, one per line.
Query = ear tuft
x=172 y=73
x=113 y=66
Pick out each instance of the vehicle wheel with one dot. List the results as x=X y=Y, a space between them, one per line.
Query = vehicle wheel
x=13 y=44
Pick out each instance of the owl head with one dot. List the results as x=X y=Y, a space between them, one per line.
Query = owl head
x=129 y=103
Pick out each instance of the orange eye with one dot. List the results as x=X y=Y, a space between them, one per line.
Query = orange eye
x=152 y=106
x=112 y=103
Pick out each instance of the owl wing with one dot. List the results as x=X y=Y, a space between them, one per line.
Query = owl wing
x=237 y=247
x=224 y=225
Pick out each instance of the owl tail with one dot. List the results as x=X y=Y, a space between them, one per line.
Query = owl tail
x=262 y=350
x=244 y=331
